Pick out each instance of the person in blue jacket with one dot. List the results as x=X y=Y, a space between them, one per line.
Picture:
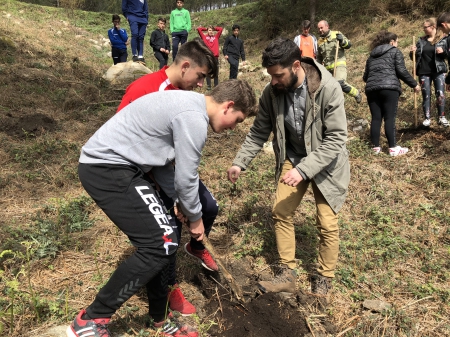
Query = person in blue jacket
x=136 y=12
x=119 y=40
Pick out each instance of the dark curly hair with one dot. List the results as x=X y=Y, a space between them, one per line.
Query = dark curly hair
x=383 y=37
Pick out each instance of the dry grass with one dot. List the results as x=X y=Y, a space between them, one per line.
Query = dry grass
x=394 y=226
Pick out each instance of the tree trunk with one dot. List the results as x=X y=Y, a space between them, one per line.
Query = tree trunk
x=312 y=12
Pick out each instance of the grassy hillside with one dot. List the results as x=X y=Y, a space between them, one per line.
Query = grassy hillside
x=57 y=248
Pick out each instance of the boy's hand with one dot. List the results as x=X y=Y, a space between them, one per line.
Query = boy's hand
x=179 y=214
x=233 y=173
x=197 y=229
x=226 y=57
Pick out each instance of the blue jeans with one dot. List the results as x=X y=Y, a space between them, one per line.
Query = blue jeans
x=439 y=89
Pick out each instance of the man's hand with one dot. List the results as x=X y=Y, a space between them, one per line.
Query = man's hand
x=197 y=230
x=340 y=38
x=292 y=177
x=417 y=88
x=233 y=173
x=226 y=57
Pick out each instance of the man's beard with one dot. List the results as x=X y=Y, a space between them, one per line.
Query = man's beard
x=282 y=90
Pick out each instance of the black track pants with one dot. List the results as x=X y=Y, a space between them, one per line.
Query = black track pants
x=127 y=197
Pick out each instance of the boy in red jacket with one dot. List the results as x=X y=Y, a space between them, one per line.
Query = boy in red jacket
x=211 y=40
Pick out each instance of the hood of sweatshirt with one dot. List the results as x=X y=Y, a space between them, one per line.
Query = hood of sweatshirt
x=381 y=50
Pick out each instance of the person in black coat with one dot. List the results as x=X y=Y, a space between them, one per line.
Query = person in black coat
x=233 y=49
x=431 y=67
x=384 y=68
x=159 y=41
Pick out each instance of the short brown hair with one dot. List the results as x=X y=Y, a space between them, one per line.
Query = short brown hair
x=198 y=53
x=306 y=24
x=238 y=91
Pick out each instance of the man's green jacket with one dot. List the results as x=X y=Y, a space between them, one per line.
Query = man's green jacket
x=325 y=134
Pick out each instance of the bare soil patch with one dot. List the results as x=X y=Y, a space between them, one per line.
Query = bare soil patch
x=20 y=126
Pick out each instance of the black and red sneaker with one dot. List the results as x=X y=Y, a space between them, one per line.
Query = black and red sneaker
x=88 y=328
x=171 y=327
x=203 y=256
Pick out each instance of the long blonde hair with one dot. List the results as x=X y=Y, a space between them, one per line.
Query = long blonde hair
x=439 y=34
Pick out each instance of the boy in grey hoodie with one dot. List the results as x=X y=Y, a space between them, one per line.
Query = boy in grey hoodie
x=112 y=169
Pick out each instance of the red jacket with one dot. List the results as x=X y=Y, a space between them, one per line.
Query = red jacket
x=157 y=81
x=211 y=41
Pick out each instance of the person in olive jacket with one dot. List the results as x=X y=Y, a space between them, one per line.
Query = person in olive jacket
x=384 y=67
x=431 y=67
x=303 y=107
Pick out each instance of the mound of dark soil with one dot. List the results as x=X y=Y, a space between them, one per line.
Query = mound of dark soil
x=263 y=315
x=31 y=125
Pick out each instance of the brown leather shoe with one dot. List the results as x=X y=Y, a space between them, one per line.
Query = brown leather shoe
x=284 y=281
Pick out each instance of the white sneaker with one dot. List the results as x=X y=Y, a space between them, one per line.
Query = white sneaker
x=426 y=122
x=398 y=151
x=376 y=150
x=443 y=121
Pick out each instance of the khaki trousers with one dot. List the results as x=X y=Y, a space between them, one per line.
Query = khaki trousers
x=287 y=199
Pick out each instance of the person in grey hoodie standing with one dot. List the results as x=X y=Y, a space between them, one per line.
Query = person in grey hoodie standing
x=383 y=69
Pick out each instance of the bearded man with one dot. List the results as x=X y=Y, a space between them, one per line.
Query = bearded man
x=303 y=106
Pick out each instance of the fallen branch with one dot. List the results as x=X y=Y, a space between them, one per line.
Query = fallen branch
x=409 y=304
x=106 y=102
x=309 y=326
x=343 y=332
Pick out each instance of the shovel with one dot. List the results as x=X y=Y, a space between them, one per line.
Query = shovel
x=235 y=288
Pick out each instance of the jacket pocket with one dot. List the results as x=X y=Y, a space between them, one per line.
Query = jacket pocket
x=336 y=165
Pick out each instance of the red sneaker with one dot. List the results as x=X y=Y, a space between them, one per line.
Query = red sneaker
x=91 y=327
x=203 y=255
x=177 y=302
x=171 y=327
